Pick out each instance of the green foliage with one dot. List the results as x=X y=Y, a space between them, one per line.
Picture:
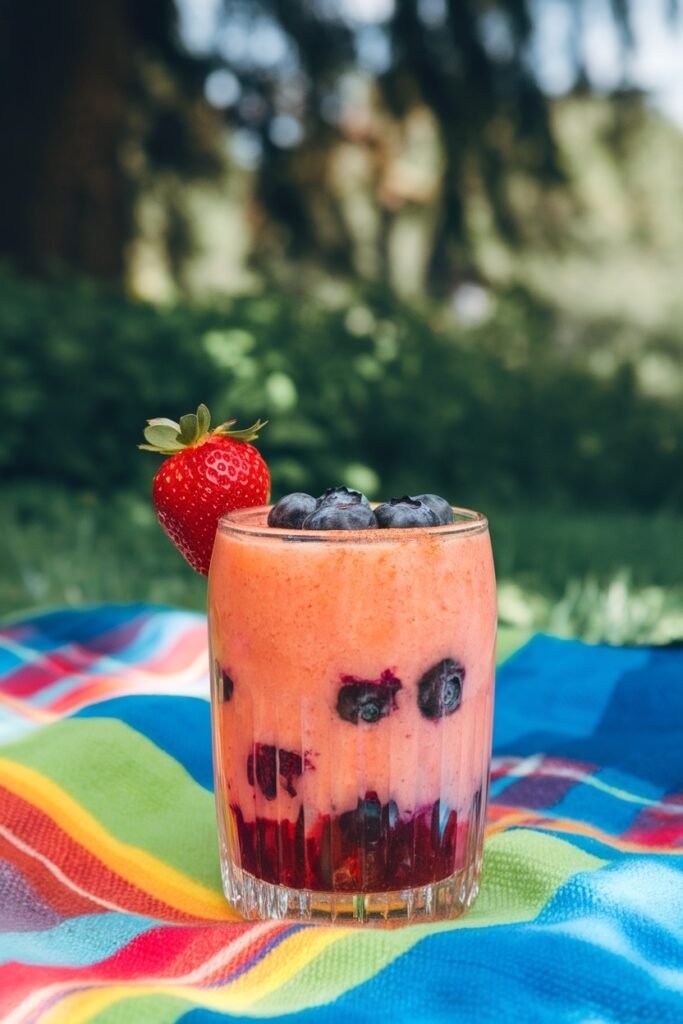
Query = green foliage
x=116 y=110
x=470 y=67
x=375 y=394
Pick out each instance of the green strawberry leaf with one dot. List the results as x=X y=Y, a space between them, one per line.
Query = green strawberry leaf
x=162 y=421
x=159 y=451
x=189 y=428
x=203 y=419
x=247 y=434
x=163 y=437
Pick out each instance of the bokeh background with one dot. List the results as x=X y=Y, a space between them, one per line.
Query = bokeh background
x=437 y=243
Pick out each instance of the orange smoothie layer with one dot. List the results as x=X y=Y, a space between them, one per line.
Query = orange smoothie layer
x=303 y=624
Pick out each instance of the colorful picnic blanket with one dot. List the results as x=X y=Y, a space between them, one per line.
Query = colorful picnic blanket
x=110 y=900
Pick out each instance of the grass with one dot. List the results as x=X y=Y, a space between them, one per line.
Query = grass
x=598 y=576
x=59 y=547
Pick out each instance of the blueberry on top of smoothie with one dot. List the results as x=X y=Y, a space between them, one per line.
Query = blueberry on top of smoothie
x=290 y=511
x=439 y=691
x=404 y=513
x=342 y=496
x=367 y=700
x=348 y=516
x=438 y=505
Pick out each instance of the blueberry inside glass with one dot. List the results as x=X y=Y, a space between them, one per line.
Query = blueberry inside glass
x=352 y=710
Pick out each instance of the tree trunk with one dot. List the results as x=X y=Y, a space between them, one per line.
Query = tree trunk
x=65 y=77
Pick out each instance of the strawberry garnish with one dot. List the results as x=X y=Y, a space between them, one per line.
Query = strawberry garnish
x=208 y=473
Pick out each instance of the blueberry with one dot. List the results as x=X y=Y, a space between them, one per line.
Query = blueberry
x=290 y=765
x=443 y=827
x=227 y=687
x=268 y=758
x=367 y=700
x=403 y=513
x=265 y=757
x=439 y=691
x=291 y=510
x=370 y=822
x=225 y=683
x=363 y=826
x=342 y=496
x=341 y=517
x=390 y=814
x=438 y=505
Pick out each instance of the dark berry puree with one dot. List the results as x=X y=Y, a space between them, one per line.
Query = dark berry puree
x=367 y=849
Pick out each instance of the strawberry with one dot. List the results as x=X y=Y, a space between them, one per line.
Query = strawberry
x=208 y=474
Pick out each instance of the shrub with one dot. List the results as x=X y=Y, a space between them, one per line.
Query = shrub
x=375 y=394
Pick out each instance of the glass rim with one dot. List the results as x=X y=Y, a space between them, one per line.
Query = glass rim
x=240 y=523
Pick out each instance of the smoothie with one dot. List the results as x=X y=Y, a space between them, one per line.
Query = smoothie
x=352 y=697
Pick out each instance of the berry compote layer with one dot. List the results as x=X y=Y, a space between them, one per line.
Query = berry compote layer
x=352 y=701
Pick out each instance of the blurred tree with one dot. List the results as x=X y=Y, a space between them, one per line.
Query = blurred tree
x=467 y=63
x=94 y=98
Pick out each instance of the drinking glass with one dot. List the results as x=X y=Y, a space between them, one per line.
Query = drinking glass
x=352 y=699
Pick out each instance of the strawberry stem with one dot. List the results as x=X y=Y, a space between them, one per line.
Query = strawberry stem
x=166 y=437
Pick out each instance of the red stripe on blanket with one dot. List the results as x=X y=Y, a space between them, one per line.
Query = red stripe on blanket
x=659 y=826
x=161 y=954
x=80 y=867
x=53 y=893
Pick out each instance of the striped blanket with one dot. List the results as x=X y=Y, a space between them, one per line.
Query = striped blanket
x=110 y=901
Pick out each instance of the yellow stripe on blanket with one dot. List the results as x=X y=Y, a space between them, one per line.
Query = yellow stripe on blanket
x=275 y=970
x=135 y=865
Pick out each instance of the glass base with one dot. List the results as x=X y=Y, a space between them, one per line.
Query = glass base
x=256 y=900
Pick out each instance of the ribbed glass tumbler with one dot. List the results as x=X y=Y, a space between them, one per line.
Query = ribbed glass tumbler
x=352 y=701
